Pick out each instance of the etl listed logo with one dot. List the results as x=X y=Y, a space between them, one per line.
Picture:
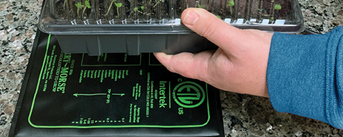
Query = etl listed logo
x=188 y=94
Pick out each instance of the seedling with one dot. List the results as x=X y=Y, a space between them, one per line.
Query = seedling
x=87 y=5
x=118 y=5
x=136 y=9
x=219 y=17
x=158 y=2
x=201 y=6
x=64 y=4
x=260 y=10
x=79 y=6
x=277 y=7
x=230 y=4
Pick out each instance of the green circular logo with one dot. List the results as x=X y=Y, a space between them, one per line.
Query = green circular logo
x=188 y=94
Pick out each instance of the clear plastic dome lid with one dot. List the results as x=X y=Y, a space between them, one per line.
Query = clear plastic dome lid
x=96 y=17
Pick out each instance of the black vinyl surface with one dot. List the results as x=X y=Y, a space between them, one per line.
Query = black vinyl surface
x=110 y=95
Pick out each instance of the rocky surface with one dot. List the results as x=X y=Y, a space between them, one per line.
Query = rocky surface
x=243 y=115
x=321 y=16
x=18 y=19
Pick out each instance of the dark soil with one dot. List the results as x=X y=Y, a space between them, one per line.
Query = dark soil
x=252 y=9
x=269 y=11
x=153 y=11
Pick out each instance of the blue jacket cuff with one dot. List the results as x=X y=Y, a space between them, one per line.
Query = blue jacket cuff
x=296 y=74
x=305 y=75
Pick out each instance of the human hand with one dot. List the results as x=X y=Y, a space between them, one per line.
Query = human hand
x=238 y=65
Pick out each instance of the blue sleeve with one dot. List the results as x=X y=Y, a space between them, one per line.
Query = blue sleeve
x=305 y=75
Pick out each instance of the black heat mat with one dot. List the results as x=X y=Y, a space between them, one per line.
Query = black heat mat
x=110 y=95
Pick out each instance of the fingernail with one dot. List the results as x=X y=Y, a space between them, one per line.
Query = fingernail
x=191 y=18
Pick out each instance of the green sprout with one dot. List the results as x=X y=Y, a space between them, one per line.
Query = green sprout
x=157 y=3
x=230 y=4
x=136 y=9
x=118 y=5
x=87 y=5
x=108 y=11
x=78 y=6
x=142 y=7
x=271 y=18
x=260 y=10
x=277 y=7
x=201 y=6
x=64 y=4
x=219 y=17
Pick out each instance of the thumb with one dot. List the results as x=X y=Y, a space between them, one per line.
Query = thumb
x=214 y=29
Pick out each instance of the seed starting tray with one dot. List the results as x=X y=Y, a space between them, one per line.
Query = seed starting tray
x=144 y=26
x=110 y=95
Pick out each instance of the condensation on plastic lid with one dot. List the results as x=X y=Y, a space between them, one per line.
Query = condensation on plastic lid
x=280 y=22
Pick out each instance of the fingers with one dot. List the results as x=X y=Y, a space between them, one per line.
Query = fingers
x=211 y=27
x=187 y=64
